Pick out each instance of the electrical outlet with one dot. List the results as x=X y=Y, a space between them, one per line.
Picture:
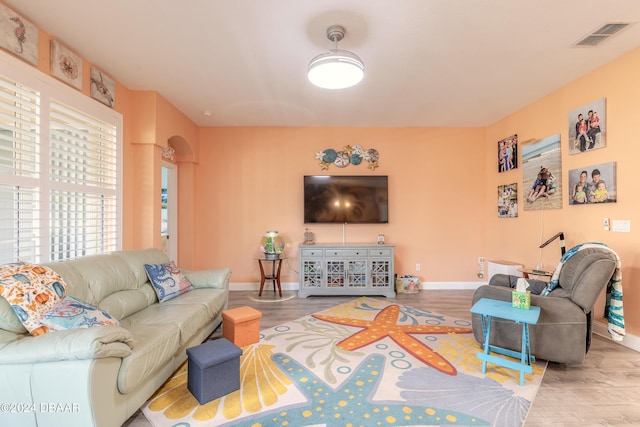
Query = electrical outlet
x=481 y=260
x=417 y=267
x=605 y=224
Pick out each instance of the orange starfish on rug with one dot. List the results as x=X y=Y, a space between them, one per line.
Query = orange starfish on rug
x=385 y=325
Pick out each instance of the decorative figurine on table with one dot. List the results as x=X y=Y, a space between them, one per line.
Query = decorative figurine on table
x=309 y=237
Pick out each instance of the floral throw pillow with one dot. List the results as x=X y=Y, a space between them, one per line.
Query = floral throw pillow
x=71 y=313
x=167 y=280
x=31 y=290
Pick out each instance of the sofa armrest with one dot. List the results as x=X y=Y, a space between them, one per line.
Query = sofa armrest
x=218 y=279
x=75 y=344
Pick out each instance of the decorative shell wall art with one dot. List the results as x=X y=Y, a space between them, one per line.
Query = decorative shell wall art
x=350 y=154
x=103 y=87
x=18 y=36
x=66 y=65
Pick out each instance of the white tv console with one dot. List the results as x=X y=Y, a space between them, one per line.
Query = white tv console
x=338 y=269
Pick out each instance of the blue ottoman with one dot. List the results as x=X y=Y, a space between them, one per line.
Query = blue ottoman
x=213 y=369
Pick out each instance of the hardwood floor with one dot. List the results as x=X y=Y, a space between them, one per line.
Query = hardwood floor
x=604 y=391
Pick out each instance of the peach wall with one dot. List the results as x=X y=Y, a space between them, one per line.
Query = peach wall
x=518 y=239
x=148 y=118
x=236 y=183
x=251 y=181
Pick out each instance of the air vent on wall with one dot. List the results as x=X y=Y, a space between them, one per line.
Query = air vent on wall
x=601 y=34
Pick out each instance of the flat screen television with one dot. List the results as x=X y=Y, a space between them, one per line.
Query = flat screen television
x=346 y=199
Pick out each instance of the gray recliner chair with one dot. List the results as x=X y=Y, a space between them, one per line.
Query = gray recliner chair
x=563 y=331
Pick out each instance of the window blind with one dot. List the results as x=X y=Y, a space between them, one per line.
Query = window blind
x=83 y=174
x=60 y=178
x=19 y=172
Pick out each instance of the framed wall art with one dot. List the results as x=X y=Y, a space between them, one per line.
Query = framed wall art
x=66 y=65
x=103 y=88
x=18 y=36
x=588 y=127
x=508 y=153
x=593 y=184
x=542 y=173
x=508 y=201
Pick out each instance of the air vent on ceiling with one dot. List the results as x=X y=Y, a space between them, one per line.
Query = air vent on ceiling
x=601 y=34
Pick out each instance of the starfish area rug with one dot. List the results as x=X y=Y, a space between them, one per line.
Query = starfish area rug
x=367 y=362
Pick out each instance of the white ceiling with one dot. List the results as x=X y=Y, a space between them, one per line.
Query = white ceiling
x=428 y=62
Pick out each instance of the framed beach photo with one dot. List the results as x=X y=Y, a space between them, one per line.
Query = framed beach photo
x=588 y=127
x=508 y=153
x=593 y=184
x=508 y=201
x=542 y=174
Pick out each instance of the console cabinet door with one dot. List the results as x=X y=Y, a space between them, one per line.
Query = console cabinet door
x=346 y=270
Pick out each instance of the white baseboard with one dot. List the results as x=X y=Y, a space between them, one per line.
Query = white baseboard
x=629 y=341
x=450 y=285
x=294 y=286
x=253 y=286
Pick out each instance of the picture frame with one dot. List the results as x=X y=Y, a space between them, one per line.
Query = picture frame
x=542 y=174
x=103 y=87
x=508 y=200
x=508 y=153
x=588 y=127
x=18 y=35
x=595 y=184
x=66 y=65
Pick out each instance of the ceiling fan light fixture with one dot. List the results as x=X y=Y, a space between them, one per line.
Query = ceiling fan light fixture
x=336 y=69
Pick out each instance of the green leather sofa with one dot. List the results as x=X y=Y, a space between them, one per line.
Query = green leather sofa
x=100 y=376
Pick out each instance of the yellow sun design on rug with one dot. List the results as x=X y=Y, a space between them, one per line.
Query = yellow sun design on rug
x=385 y=325
x=261 y=384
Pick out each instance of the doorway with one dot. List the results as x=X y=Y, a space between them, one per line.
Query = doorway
x=169 y=211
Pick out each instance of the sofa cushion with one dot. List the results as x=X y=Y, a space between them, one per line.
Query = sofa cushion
x=76 y=285
x=213 y=299
x=188 y=318
x=154 y=347
x=9 y=319
x=30 y=290
x=71 y=313
x=124 y=303
x=167 y=280
x=136 y=259
x=105 y=274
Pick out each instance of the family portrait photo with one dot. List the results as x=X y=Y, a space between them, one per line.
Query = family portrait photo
x=593 y=184
x=542 y=173
x=508 y=201
x=508 y=153
x=587 y=127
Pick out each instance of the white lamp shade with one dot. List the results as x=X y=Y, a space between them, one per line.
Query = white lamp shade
x=337 y=69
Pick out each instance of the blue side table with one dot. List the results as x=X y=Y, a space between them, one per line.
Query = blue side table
x=489 y=308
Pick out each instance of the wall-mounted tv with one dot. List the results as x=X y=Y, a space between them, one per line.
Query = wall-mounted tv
x=346 y=199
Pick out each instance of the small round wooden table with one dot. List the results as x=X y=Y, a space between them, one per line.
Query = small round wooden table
x=276 y=266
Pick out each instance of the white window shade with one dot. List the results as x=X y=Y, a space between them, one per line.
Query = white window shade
x=19 y=223
x=60 y=178
x=19 y=172
x=83 y=173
